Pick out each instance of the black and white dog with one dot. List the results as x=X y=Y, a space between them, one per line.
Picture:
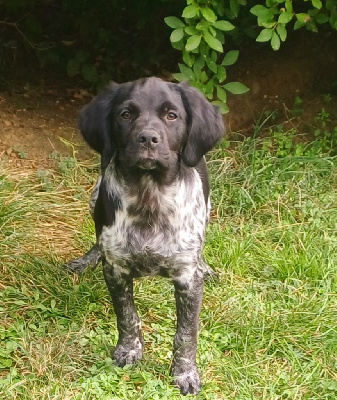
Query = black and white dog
x=151 y=205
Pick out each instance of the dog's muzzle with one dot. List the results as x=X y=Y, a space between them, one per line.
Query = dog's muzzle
x=149 y=141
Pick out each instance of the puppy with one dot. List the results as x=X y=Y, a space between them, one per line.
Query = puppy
x=151 y=205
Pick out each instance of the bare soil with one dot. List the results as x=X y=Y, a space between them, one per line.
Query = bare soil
x=36 y=125
x=38 y=120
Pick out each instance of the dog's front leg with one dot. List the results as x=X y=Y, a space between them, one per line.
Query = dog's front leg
x=129 y=348
x=188 y=297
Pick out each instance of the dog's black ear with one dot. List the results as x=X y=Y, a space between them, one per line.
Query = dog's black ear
x=95 y=123
x=205 y=125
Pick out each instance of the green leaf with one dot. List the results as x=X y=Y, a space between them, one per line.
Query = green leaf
x=214 y=55
x=190 y=11
x=174 y=22
x=186 y=72
x=303 y=18
x=188 y=58
x=177 y=35
x=192 y=30
x=275 y=41
x=179 y=77
x=311 y=25
x=265 y=35
x=298 y=25
x=193 y=42
x=198 y=66
x=224 y=26
x=222 y=106
x=208 y=14
x=282 y=32
x=199 y=86
x=236 y=87
x=209 y=88
x=321 y=18
x=221 y=93
x=212 y=31
x=178 y=45
x=213 y=42
x=265 y=16
x=268 y=25
x=221 y=74
x=204 y=49
x=203 y=77
x=220 y=36
x=330 y=4
x=235 y=7
x=203 y=25
x=285 y=17
x=212 y=65
x=289 y=6
x=230 y=58
x=259 y=10
x=317 y=4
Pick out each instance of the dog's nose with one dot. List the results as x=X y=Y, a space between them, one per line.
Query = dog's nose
x=148 y=138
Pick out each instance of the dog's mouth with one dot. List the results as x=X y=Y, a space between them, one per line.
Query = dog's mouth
x=146 y=159
x=149 y=159
x=147 y=163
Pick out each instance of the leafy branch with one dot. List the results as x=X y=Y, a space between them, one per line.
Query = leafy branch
x=200 y=36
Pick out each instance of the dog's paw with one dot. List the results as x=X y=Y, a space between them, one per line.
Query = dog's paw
x=126 y=354
x=90 y=259
x=187 y=381
x=75 y=266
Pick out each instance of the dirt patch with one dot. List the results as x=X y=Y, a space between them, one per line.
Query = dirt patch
x=36 y=122
x=37 y=125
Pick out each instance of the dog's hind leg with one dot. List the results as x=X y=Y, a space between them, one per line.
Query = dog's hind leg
x=90 y=259
x=209 y=273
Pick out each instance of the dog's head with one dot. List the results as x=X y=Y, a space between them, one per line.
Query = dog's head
x=149 y=124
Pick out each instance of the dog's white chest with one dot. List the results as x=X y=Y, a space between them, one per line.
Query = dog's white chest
x=173 y=237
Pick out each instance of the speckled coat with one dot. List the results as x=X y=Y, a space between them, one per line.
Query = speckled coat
x=151 y=204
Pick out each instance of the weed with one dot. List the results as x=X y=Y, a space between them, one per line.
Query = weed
x=20 y=152
x=45 y=181
x=297 y=109
x=67 y=164
x=54 y=155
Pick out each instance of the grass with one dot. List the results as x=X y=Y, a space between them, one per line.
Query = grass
x=267 y=326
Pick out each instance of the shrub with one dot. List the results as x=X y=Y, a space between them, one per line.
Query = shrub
x=109 y=39
x=206 y=25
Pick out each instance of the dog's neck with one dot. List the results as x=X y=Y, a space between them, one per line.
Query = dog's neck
x=147 y=196
x=136 y=177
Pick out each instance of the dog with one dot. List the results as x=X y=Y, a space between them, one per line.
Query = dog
x=151 y=205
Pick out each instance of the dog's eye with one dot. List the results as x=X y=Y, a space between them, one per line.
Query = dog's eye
x=171 y=116
x=126 y=114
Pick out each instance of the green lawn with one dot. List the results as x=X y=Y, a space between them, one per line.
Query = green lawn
x=268 y=324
